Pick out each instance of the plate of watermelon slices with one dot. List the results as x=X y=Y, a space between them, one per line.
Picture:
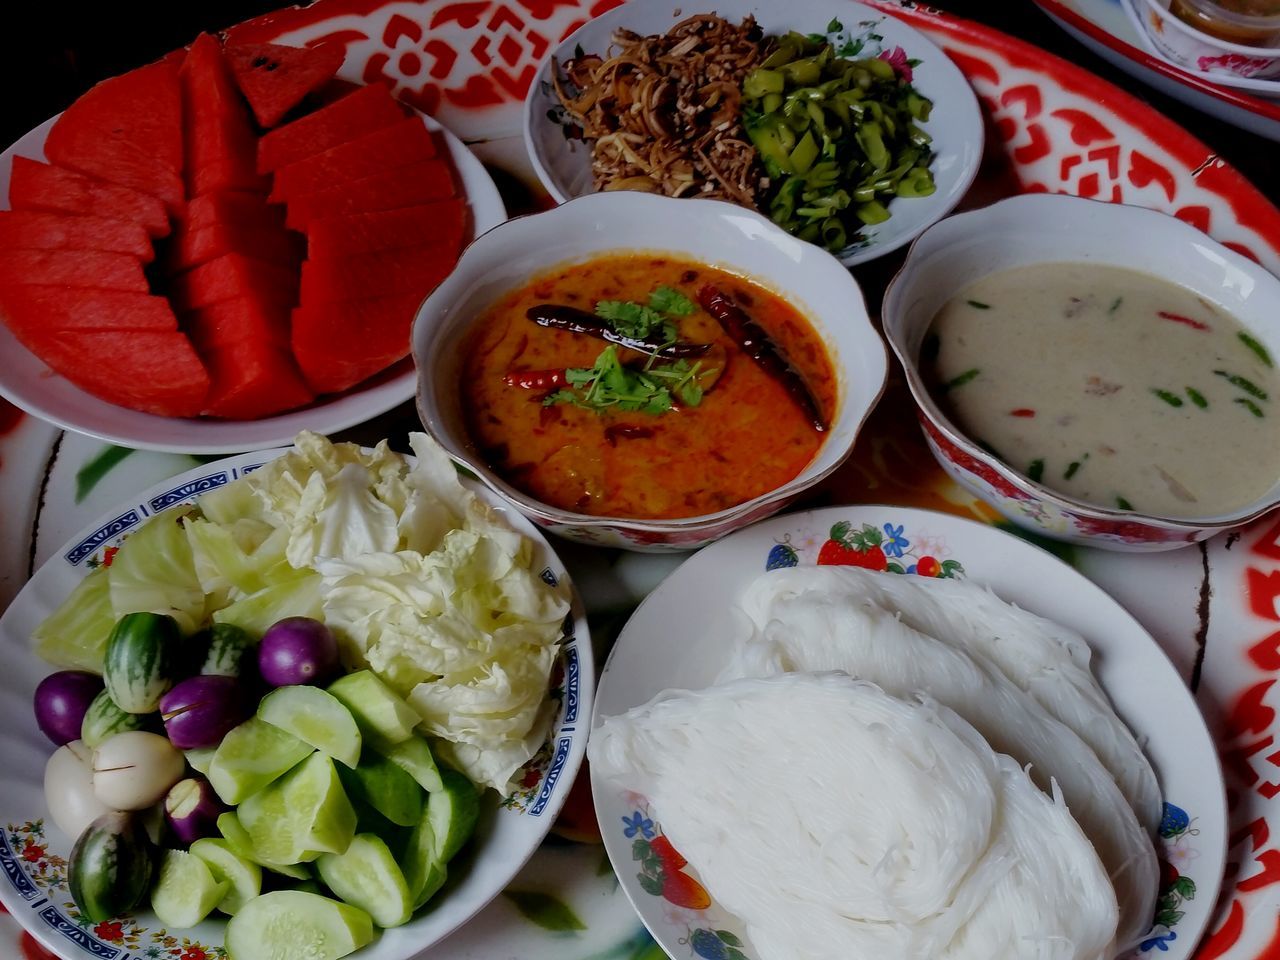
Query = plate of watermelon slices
x=213 y=251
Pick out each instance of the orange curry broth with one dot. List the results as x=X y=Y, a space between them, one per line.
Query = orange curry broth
x=747 y=436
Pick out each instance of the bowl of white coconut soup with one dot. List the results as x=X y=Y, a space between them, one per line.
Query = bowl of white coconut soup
x=1100 y=373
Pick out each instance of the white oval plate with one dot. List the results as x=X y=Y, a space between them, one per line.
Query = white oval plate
x=564 y=165
x=28 y=382
x=33 y=884
x=680 y=636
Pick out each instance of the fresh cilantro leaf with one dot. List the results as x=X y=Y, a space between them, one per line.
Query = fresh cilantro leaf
x=609 y=385
x=635 y=319
x=671 y=301
x=835 y=26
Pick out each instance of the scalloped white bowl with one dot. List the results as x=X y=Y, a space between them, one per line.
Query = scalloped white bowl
x=708 y=231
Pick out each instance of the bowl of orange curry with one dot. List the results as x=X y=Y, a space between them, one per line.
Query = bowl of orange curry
x=637 y=371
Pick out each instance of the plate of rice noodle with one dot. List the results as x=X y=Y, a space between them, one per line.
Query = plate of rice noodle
x=843 y=125
x=890 y=733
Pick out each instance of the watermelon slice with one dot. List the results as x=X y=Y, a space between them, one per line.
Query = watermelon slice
x=275 y=78
x=221 y=144
x=229 y=322
x=410 y=185
x=190 y=248
x=127 y=130
x=252 y=379
x=394 y=146
x=41 y=186
x=37 y=312
x=233 y=207
x=41 y=230
x=409 y=270
x=362 y=111
x=232 y=276
x=140 y=369
x=74 y=268
x=442 y=223
x=341 y=344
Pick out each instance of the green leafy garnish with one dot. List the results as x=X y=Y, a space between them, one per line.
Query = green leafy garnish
x=609 y=385
x=671 y=301
x=635 y=320
x=1242 y=383
x=1250 y=406
x=1123 y=504
x=1197 y=398
x=1035 y=471
x=1073 y=467
x=1256 y=347
x=960 y=380
x=978 y=304
x=1172 y=399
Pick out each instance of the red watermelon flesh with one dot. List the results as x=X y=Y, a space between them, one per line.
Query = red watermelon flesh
x=401 y=143
x=74 y=268
x=241 y=319
x=42 y=186
x=410 y=270
x=363 y=111
x=232 y=276
x=127 y=130
x=233 y=207
x=143 y=370
x=410 y=185
x=39 y=312
x=252 y=379
x=442 y=223
x=221 y=143
x=340 y=344
x=274 y=78
x=190 y=248
x=42 y=230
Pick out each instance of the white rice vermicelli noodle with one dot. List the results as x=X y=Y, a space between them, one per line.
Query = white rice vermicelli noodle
x=1045 y=659
x=838 y=821
x=826 y=629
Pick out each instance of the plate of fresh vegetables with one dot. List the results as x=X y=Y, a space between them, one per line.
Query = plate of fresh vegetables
x=293 y=704
x=843 y=125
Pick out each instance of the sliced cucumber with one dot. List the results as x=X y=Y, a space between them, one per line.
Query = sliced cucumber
x=200 y=759
x=453 y=812
x=243 y=875
x=304 y=814
x=424 y=872
x=315 y=717
x=251 y=756
x=238 y=838
x=385 y=787
x=380 y=712
x=414 y=757
x=291 y=925
x=186 y=891
x=366 y=875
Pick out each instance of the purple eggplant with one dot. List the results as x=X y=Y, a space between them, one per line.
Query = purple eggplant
x=199 y=711
x=61 y=701
x=192 y=810
x=297 y=650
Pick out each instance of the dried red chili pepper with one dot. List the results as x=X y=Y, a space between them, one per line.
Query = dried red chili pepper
x=756 y=344
x=559 y=317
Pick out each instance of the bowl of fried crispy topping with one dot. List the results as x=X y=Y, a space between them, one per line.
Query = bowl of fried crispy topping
x=843 y=125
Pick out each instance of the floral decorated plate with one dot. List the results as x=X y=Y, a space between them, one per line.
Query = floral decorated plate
x=33 y=851
x=680 y=635
x=955 y=124
x=27 y=381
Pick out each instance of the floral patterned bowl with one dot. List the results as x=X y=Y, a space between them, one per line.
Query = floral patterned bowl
x=1041 y=228
x=707 y=231
x=1195 y=50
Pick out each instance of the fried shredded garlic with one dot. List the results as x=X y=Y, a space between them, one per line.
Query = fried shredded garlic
x=663 y=113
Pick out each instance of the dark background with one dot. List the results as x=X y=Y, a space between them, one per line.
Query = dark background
x=56 y=51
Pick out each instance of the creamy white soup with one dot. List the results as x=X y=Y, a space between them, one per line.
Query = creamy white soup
x=1110 y=386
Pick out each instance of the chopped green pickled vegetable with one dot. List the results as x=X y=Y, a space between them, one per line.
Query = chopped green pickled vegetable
x=839 y=138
